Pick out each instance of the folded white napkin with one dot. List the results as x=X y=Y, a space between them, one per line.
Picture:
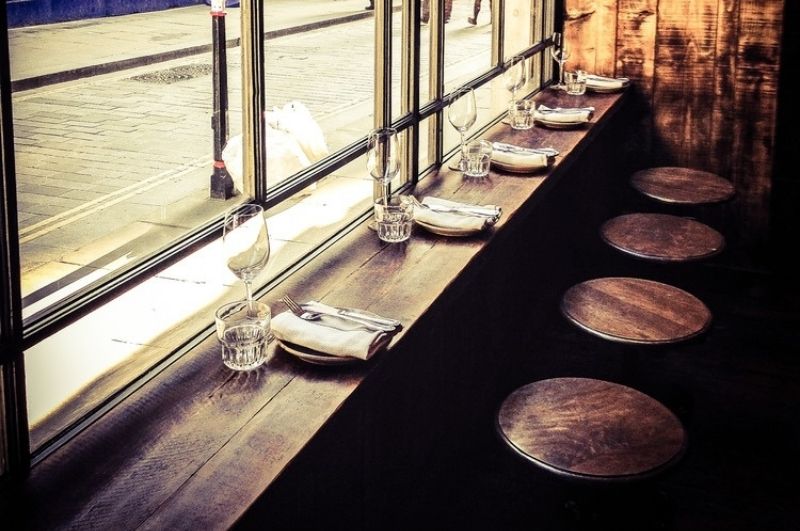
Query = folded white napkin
x=329 y=334
x=569 y=115
x=520 y=160
x=459 y=221
x=602 y=82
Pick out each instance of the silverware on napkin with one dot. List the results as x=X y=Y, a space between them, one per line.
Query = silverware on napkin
x=510 y=148
x=352 y=312
x=464 y=209
x=561 y=110
x=595 y=77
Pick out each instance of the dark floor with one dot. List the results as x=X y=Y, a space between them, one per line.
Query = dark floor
x=737 y=390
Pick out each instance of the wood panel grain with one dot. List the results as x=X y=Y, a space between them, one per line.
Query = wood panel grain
x=591 y=26
x=724 y=114
x=636 y=37
x=683 y=89
x=756 y=86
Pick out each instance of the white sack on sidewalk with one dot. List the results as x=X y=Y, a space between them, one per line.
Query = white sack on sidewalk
x=294 y=141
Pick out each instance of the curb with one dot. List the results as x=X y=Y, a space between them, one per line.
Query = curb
x=134 y=62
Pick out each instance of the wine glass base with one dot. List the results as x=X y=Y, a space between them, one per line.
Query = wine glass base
x=457 y=165
x=372 y=225
x=558 y=86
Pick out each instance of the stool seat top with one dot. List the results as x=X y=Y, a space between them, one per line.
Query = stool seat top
x=662 y=237
x=635 y=311
x=591 y=429
x=682 y=185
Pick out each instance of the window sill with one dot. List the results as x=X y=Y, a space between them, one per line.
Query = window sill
x=198 y=430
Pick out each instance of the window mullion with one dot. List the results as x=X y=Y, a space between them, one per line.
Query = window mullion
x=14 y=441
x=498 y=32
x=436 y=80
x=254 y=154
x=409 y=101
x=382 y=97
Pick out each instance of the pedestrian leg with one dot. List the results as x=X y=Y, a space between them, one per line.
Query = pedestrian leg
x=476 y=8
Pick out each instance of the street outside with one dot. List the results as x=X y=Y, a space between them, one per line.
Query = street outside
x=114 y=166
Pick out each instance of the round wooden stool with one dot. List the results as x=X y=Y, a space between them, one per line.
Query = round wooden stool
x=635 y=311
x=591 y=429
x=676 y=185
x=662 y=237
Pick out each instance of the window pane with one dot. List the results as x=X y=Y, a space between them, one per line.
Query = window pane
x=519 y=21
x=328 y=70
x=467 y=47
x=109 y=168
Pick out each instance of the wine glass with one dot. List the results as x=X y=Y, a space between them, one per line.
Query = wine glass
x=560 y=54
x=246 y=243
x=515 y=76
x=462 y=114
x=383 y=158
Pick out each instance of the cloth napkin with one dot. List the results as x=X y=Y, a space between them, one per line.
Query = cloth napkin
x=569 y=115
x=453 y=220
x=329 y=334
x=609 y=83
x=520 y=161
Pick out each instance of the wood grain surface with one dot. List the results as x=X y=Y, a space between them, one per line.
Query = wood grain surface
x=637 y=311
x=591 y=429
x=662 y=237
x=685 y=186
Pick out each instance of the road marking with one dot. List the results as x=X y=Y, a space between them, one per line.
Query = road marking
x=96 y=205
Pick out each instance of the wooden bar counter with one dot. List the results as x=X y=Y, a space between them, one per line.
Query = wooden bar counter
x=295 y=445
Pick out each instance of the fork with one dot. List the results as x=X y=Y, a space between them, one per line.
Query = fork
x=306 y=315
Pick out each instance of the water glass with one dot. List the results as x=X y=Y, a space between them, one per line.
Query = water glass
x=576 y=82
x=520 y=114
x=478 y=154
x=393 y=219
x=243 y=328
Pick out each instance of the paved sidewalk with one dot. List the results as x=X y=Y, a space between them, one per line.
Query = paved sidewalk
x=83 y=45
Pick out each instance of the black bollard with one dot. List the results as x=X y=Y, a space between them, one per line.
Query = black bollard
x=221 y=185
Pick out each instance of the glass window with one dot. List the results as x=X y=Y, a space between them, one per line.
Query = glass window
x=123 y=171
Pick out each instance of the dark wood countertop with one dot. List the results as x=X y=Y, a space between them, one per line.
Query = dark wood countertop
x=172 y=455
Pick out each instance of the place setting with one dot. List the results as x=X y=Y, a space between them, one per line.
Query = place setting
x=321 y=334
x=519 y=159
x=445 y=217
x=606 y=85
x=562 y=117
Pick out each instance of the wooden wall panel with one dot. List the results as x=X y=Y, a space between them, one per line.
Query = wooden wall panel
x=756 y=89
x=591 y=26
x=685 y=46
x=724 y=115
x=636 y=42
x=707 y=71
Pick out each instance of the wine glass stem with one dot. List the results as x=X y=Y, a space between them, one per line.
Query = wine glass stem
x=561 y=73
x=386 y=192
x=462 y=162
x=248 y=290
